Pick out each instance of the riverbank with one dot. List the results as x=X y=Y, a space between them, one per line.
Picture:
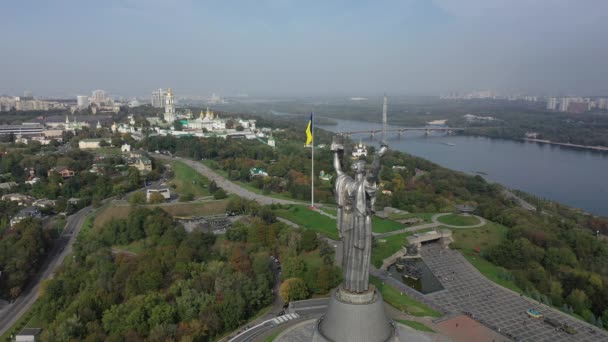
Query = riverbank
x=567 y=174
x=542 y=141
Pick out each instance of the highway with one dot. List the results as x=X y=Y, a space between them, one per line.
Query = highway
x=62 y=246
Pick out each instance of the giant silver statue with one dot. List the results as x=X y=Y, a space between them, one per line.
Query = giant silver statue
x=355 y=198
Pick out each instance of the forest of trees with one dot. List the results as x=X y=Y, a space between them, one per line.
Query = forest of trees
x=22 y=251
x=194 y=286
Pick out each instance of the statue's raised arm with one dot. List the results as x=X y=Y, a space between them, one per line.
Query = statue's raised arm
x=337 y=146
x=372 y=173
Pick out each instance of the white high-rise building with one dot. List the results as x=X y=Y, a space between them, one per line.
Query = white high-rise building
x=158 y=98
x=82 y=101
x=564 y=102
x=99 y=96
x=169 y=107
x=552 y=103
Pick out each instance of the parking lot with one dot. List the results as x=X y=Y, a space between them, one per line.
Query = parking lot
x=468 y=291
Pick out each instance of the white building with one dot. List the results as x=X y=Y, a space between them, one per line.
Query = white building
x=158 y=98
x=89 y=143
x=169 y=107
x=165 y=192
x=82 y=101
x=99 y=97
x=208 y=121
x=125 y=148
x=552 y=103
x=564 y=102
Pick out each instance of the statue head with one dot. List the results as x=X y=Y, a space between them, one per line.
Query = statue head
x=358 y=166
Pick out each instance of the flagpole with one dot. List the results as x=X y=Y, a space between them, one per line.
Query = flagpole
x=312 y=178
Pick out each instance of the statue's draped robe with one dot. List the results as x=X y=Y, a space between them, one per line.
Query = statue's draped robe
x=355 y=200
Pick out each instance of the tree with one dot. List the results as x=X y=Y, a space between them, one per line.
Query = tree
x=220 y=194
x=309 y=240
x=213 y=187
x=15 y=292
x=137 y=198
x=156 y=198
x=294 y=267
x=578 y=300
x=293 y=289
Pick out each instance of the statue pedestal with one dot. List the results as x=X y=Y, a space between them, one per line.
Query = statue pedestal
x=354 y=317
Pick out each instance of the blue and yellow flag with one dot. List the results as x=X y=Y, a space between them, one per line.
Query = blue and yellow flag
x=309 y=131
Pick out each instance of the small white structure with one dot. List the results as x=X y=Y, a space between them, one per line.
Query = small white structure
x=125 y=148
x=23 y=214
x=165 y=192
x=28 y=335
x=23 y=200
x=89 y=143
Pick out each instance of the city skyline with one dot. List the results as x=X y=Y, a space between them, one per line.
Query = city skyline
x=418 y=47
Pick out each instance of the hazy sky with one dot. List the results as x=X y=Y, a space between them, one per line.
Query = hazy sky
x=129 y=47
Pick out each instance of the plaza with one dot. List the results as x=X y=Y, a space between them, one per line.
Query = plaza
x=468 y=291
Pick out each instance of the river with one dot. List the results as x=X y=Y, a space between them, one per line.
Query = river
x=578 y=178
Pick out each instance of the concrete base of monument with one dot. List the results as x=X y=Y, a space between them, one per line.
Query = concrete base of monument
x=353 y=317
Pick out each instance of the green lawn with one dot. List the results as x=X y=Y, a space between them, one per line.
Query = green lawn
x=189 y=181
x=415 y=325
x=458 y=220
x=380 y=225
x=309 y=219
x=470 y=241
x=329 y=210
x=480 y=238
x=492 y=272
x=387 y=246
x=426 y=217
x=403 y=302
x=108 y=151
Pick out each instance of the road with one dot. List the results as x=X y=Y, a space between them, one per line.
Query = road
x=61 y=248
x=509 y=194
x=225 y=184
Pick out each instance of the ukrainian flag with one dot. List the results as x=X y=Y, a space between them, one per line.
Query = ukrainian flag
x=309 y=131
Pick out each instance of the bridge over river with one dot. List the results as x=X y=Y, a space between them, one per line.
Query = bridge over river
x=401 y=130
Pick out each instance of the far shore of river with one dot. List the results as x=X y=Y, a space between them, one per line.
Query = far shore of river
x=597 y=148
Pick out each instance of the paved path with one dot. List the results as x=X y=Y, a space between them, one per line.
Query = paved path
x=324 y=213
x=225 y=184
x=467 y=290
x=61 y=247
x=435 y=223
x=509 y=194
x=435 y=219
